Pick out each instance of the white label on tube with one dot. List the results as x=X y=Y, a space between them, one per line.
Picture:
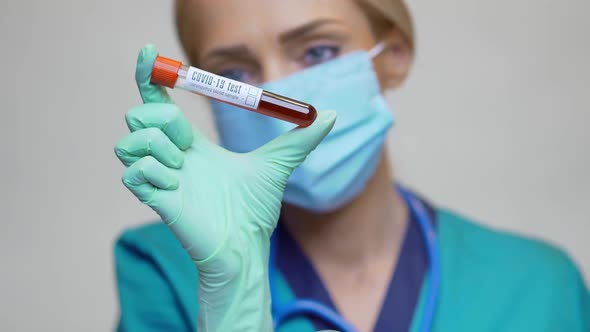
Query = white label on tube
x=221 y=88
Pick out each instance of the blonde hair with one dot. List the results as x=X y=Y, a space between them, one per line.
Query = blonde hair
x=397 y=13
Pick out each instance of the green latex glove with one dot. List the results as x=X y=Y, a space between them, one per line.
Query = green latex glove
x=222 y=206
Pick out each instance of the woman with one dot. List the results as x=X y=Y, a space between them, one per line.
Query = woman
x=348 y=239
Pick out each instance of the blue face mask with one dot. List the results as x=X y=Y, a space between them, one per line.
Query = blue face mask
x=340 y=167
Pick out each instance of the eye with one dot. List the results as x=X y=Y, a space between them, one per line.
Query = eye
x=319 y=54
x=238 y=74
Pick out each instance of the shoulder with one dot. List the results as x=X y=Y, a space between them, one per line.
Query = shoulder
x=153 y=269
x=154 y=244
x=156 y=233
x=489 y=244
x=156 y=280
x=499 y=273
x=153 y=240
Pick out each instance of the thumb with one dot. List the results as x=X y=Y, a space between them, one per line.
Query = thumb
x=290 y=149
x=150 y=93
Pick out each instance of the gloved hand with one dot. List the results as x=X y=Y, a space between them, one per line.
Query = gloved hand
x=222 y=206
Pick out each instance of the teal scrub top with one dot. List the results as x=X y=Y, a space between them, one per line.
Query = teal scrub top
x=491 y=281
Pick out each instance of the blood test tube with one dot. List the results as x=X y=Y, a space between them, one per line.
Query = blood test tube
x=173 y=74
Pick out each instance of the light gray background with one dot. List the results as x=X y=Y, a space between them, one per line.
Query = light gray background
x=493 y=123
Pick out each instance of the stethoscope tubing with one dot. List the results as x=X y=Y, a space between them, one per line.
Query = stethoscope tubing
x=433 y=252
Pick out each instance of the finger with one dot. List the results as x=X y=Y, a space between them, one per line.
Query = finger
x=290 y=149
x=167 y=117
x=150 y=93
x=145 y=177
x=149 y=142
x=156 y=186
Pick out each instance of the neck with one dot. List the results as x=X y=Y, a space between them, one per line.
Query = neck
x=370 y=226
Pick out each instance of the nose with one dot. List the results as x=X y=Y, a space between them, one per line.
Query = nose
x=276 y=67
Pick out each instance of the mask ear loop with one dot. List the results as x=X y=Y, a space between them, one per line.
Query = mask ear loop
x=377 y=49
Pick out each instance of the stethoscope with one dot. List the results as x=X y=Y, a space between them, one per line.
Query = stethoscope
x=283 y=311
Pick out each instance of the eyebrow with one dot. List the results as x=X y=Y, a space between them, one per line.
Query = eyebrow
x=230 y=52
x=304 y=30
x=242 y=50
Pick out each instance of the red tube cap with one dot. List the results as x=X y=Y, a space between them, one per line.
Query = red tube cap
x=165 y=71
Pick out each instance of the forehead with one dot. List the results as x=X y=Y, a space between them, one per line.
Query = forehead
x=260 y=22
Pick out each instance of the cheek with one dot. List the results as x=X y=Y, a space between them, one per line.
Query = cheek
x=381 y=71
x=393 y=65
